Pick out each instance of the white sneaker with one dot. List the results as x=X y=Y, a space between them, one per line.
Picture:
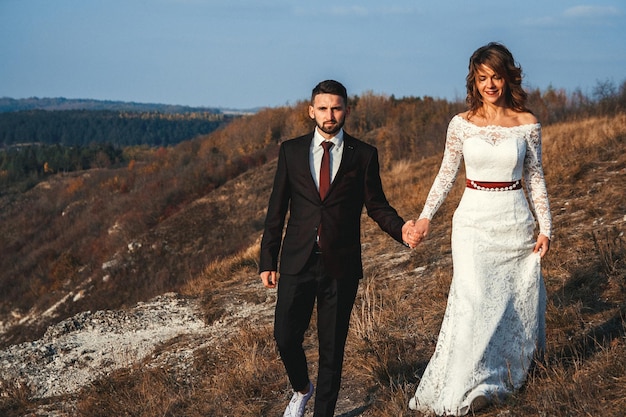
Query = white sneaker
x=296 y=406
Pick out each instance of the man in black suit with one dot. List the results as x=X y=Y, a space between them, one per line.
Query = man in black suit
x=323 y=180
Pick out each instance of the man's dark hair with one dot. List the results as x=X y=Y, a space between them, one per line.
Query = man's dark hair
x=330 y=87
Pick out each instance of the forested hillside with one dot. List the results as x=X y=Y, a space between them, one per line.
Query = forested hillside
x=85 y=127
x=39 y=137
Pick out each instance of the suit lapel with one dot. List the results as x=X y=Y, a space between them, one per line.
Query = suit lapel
x=303 y=156
x=304 y=165
x=349 y=150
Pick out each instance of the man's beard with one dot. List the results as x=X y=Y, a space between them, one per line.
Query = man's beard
x=332 y=130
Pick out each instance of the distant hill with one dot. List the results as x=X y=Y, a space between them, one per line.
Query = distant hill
x=116 y=127
x=71 y=133
x=81 y=122
x=60 y=103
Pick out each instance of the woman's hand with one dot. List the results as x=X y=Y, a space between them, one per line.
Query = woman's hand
x=542 y=246
x=421 y=228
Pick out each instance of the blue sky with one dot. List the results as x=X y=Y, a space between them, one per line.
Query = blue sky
x=252 y=53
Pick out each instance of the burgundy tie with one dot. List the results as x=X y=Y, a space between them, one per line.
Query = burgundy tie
x=325 y=169
x=324 y=179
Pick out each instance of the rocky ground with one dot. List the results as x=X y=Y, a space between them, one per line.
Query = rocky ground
x=163 y=332
x=83 y=348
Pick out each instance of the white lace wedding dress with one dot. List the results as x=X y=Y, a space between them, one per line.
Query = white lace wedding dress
x=494 y=322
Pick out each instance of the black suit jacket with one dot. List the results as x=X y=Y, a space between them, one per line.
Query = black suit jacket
x=356 y=184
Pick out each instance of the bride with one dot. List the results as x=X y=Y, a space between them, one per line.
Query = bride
x=494 y=324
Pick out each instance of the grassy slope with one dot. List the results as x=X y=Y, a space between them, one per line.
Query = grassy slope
x=401 y=302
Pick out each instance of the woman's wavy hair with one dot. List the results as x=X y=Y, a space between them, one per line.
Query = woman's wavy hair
x=497 y=57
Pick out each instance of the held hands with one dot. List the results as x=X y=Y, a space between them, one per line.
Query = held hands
x=414 y=231
x=269 y=278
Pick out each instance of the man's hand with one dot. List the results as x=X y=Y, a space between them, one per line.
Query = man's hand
x=409 y=235
x=414 y=231
x=269 y=278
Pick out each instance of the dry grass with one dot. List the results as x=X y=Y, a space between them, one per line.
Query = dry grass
x=402 y=299
x=583 y=374
x=401 y=303
x=233 y=380
x=14 y=397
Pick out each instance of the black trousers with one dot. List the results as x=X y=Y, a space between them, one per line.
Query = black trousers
x=294 y=307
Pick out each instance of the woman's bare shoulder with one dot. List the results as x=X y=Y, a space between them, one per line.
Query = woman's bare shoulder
x=465 y=115
x=526 y=118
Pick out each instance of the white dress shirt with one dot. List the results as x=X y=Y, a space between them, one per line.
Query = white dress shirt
x=317 y=151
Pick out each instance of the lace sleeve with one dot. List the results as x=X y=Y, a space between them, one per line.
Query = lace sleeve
x=535 y=182
x=452 y=157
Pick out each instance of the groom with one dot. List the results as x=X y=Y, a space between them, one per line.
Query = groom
x=323 y=180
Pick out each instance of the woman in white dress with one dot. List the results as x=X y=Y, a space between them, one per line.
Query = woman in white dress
x=494 y=324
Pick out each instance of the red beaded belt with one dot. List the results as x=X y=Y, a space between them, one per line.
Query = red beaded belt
x=494 y=186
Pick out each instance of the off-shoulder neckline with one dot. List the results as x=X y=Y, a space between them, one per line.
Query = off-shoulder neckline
x=496 y=126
